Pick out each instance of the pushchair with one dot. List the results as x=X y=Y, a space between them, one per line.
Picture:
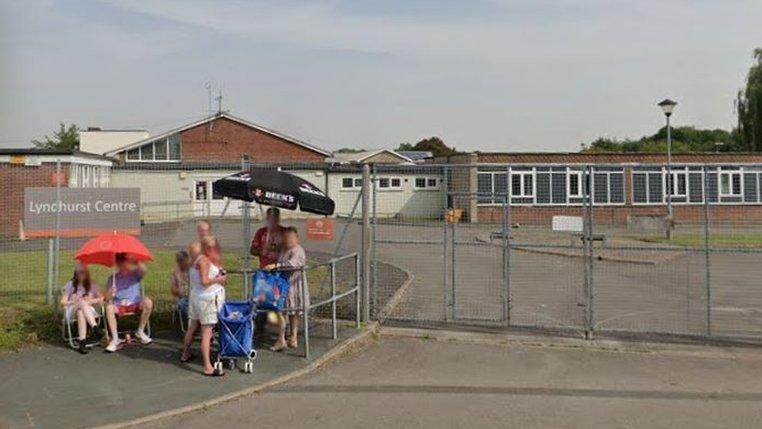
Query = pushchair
x=235 y=329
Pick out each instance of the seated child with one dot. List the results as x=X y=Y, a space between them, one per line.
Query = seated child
x=80 y=294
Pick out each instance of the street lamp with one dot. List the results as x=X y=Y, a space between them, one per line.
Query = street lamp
x=667 y=106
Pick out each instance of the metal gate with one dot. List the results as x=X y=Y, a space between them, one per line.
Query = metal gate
x=559 y=247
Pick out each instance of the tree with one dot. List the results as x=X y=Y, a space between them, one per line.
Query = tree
x=749 y=107
x=684 y=139
x=435 y=145
x=66 y=138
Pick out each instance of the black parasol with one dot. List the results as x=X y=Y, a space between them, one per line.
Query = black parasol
x=275 y=188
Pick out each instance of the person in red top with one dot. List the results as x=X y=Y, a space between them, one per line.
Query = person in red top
x=268 y=240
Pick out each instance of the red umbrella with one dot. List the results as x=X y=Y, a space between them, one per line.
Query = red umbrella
x=102 y=249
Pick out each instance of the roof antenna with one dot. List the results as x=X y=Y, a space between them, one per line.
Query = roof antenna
x=219 y=102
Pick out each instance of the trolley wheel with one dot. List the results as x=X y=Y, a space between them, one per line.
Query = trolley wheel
x=252 y=355
x=218 y=366
x=231 y=364
x=248 y=367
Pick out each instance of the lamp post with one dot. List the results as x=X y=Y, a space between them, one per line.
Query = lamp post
x=667 y=106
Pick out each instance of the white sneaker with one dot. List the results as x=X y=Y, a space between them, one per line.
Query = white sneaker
x=144 y=339
x=113 y=345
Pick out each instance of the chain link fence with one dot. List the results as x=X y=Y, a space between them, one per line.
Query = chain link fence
x=575 y=248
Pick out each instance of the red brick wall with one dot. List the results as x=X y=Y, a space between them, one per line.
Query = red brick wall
x=615 y=158
x=13 y=180
x=228 y=141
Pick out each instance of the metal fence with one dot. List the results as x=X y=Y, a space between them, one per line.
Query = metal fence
x=587 y=249
x=575 y=248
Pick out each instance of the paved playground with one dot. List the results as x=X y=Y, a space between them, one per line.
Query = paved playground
x=441 y=379
x=55 y=387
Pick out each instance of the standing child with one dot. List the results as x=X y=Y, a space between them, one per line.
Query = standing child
x=180 y=280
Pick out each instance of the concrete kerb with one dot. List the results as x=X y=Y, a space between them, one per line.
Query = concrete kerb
x=350 y=345
x=614 y=346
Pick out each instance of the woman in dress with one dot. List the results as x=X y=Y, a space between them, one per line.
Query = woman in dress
x=292 y=260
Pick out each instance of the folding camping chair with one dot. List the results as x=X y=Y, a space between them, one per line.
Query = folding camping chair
x=130 y=314
x=66 y=332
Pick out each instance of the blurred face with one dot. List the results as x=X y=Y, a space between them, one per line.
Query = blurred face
x=184 y=264
x=273 y=219
x=291 y=240
x=194 y=249
x=81 y=272
x=203 y=229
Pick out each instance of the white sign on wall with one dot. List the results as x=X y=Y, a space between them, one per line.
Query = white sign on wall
x=567 y=223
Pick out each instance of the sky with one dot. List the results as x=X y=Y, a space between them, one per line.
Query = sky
x=488 y=75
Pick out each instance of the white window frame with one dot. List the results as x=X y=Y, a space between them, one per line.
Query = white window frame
x=672 y=190
x=356 y=183
x=426 y=186
x=580 y=185
x=522 y=185
x=730 y=173
x=195 y=190
x=153 y=145
x=390 y=187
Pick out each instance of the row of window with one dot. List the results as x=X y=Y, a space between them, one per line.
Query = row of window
x=162 y=150
x=569 y=185
x=391 y=183
x=89 y=176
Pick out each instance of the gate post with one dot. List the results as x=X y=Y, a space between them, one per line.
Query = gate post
x=365 y=250
x=506 y=224
x=707 y=256
x=445 y=294
x=587 y=249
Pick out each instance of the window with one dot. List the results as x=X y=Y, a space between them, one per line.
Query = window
x=608 y=186
x=347 y=183
x=86 y=176
x=575 y=183
x=426 y=183
x=200 y=191
x=146 y=152
x=358 y=183
x=678 y=185
x=160 y=150
x=389 y=183
x=133 y=154
x=730 y=184
x=165 y=149
x=174 y=143
x=522 y=184
x=216 y=195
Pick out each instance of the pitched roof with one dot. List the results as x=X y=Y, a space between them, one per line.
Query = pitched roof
x=208 y=119
x=359 y=157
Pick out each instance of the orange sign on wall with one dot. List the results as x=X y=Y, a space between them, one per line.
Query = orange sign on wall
x=320 y=229
x=58 y=179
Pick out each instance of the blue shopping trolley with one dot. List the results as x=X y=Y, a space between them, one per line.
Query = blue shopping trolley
x=235 y=329
x=270 y=290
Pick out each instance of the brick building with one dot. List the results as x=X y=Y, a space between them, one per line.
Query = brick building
x=538 y=186
x=23 y=168
x=220 y=138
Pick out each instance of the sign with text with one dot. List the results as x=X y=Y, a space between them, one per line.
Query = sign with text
x=567 y=223
x=81 y=212
x=320 y=229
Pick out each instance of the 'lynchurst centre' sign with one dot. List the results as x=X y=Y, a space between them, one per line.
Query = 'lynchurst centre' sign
x=81 y=212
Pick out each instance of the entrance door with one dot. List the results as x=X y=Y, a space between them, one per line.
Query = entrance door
x=208 y=203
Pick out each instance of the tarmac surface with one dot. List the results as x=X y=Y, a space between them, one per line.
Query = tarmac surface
x=429 y=379
x=55 y=387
